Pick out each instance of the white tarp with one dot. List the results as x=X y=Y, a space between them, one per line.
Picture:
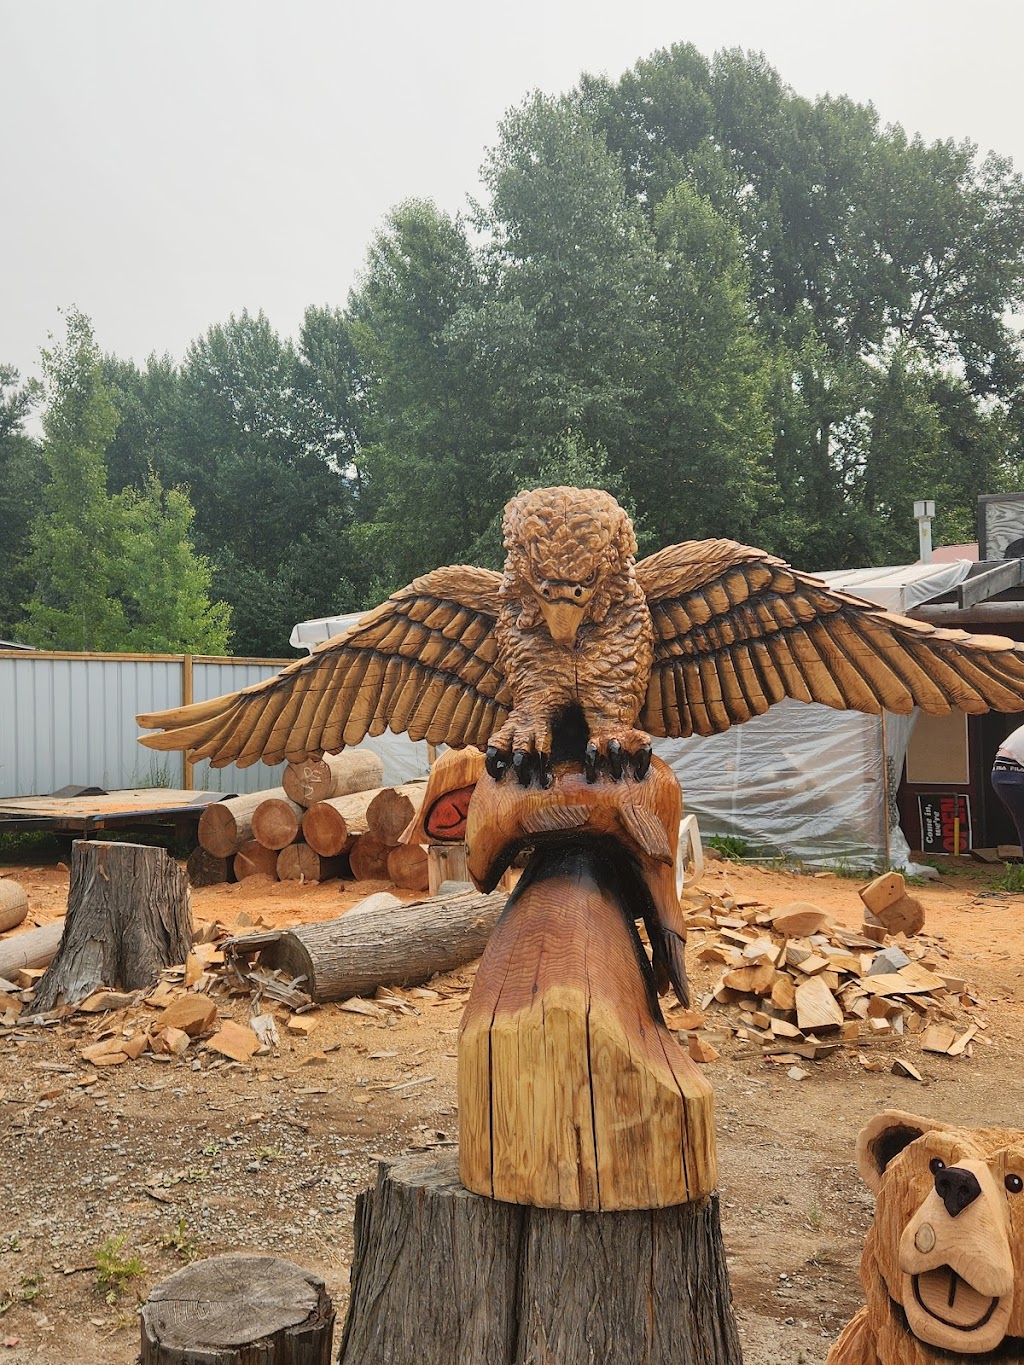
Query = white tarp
x=802 y=781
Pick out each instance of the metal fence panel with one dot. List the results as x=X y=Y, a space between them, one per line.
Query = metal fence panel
x=214 y=679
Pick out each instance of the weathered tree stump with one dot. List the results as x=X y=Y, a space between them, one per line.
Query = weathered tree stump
x=238 y=1310
x=128 y=917
x=445 y=1277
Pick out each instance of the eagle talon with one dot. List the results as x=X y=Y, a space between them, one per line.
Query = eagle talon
x=642 y=763
x=497 y=761
x=590 y=763
x=615 y=759
x=544 y=774
x=522 y=763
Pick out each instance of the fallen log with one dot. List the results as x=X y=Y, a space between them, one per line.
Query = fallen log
x=253 y=860
x=392 y=809
x=354 y=770
x=276 y=822
x=300 y=863
x=368 y=858
x=394 y=946
x=128 y=917
x=33 y=948
x=407 y=867
x=206 y=869
x=225 y=826
x=330 y=827
x=13 y=904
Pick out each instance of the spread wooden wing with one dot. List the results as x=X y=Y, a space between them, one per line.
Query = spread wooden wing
x=425 y=662
x=737 y=630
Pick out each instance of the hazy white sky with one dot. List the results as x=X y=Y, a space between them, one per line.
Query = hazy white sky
x=166 y=164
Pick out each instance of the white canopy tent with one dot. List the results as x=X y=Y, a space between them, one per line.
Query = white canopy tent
x=802 y=781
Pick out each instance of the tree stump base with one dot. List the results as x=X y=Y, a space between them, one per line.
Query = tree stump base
x=442 y=1276
x=129 y=916
x=238 y=1310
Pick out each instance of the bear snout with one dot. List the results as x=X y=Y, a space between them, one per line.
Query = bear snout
x=957 y=1188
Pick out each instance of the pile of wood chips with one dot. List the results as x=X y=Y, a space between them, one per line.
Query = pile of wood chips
x=800 y=987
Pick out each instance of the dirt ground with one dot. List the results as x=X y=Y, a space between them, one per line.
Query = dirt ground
x=200 y=1156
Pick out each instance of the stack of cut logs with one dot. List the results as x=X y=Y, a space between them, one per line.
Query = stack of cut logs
x=331 y=818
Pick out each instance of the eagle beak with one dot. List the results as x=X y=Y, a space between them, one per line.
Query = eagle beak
x=562 y=620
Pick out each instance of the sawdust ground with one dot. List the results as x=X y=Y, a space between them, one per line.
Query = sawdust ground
x=270 y=1157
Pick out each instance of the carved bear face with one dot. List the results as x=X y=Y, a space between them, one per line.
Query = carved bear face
x=948 y=1235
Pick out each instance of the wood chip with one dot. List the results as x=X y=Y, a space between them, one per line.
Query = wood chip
x=816 y=1006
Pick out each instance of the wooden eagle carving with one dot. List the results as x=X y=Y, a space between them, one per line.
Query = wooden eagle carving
x=577 y=647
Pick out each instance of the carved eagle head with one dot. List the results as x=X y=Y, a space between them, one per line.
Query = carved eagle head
x=571 y=554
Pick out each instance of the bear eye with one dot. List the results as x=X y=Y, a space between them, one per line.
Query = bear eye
x=936 y=1165
x=1014 y=1184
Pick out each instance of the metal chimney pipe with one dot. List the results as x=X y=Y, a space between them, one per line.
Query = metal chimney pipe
x=924 y=512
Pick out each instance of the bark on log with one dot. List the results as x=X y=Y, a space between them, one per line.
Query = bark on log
x=225 y=826
x=238 y=1310
x=206 y=869
x=300 y=863
x=276 y=823
x=253 y=860
x=403 y=946
x=407 y=867
x=392 y=810
x=354 y=770
x=13 y=904
x=368 y=858
x=128 y=917
x=441 y=1276
x=330 y=827
x=33 y=948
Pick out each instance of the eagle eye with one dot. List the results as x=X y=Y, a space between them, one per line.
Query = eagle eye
x=1014 y=1184
x=936 y=1165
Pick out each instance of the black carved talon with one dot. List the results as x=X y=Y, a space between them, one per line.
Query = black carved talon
x=523 y=765
x=544 y=774
x=590 y=760
x=642 y=763
x=615 y=759
x=496 y=761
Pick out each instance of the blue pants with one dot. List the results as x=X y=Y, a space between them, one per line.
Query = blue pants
x=1008 y=785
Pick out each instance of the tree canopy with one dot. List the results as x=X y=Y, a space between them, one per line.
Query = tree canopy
x=744 y=312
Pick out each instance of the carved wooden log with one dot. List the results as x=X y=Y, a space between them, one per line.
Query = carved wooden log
x=441 y=1276
x=13 y=904
x=238 y=1310
x=300 y=863
x=319 y=779
x=253 y=860
x=442 y=814
x=225 y=826
x=397 y=946
x=392 y=810
x=407 y=867
x=330 y=827
x=368 y=858
x=276 y=822
x=206 y=869
x=128 y=917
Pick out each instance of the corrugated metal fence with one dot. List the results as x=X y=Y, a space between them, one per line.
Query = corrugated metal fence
x=71 y=718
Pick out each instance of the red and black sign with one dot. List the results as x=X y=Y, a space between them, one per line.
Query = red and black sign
x=945 y=823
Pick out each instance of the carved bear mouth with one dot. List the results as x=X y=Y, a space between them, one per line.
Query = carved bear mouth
x=947 y=1297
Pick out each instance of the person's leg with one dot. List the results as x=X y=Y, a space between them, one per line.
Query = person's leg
x=1008 y=785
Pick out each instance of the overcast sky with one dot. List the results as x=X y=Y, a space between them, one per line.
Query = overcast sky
x=167 y=164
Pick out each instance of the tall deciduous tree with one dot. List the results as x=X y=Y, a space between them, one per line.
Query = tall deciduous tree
x=22 y=475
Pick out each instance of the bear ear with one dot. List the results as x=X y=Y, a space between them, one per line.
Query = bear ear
x=884 y=1138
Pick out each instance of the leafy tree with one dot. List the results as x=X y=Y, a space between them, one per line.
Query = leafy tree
x=108 y=573
x=22 y=475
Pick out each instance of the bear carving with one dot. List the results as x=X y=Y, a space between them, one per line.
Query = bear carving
x=943 y=1263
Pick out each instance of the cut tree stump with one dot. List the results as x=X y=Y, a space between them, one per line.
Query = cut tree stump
x=128 y=917
x=319 y=779
x=441 y=1276
x=276 y=823
x=238 y=1310
x=13 y=904
x=225 y=826
x=396 y=946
